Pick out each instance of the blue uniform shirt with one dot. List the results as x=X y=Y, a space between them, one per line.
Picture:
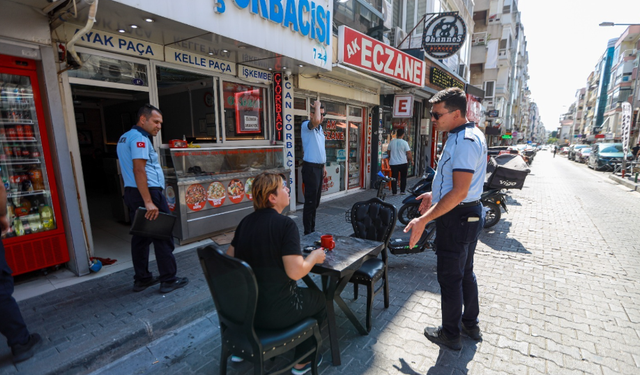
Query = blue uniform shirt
x=136 y=144
x=466 y=151
x=313 y=143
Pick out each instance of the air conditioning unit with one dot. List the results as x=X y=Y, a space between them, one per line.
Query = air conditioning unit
x=462 y=70
x=488 y=103
x=397 y=36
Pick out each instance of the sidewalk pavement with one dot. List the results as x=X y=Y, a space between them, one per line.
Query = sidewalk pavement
x=89 y=325
x=629 y=180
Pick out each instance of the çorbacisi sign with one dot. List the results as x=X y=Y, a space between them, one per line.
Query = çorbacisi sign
x=444 y=35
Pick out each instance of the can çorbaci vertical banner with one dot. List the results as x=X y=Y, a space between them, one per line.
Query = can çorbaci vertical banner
x=443 y=35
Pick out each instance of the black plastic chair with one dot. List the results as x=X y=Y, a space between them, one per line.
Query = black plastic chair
x=234 y=290
x=373 y=220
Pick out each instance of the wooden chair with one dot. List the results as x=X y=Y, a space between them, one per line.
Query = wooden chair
x=373 y=220
x=234 y=290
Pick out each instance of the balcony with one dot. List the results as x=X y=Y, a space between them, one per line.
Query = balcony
x=504 y=58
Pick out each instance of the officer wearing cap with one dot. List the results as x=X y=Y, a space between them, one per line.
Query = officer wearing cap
x=313 y=163
x=144 y=182
x=455 y=196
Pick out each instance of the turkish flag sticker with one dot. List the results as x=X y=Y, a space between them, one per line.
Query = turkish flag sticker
x=140 y=144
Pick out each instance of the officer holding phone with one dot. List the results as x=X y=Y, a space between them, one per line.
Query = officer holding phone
x=457 y=187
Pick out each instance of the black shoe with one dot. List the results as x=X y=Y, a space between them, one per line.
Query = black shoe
x=472 y=332
x=170 y=286
x=436 y=336
x=22 y=352
x=139 y=286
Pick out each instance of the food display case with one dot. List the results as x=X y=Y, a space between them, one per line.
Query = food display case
x=209 y=188
x=36 y=237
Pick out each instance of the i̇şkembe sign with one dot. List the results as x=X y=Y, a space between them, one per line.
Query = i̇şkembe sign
x=443 y=35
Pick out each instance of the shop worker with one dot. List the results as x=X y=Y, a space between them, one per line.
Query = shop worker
x=313 y=162
x=144 y=182
x=22 y=343
x=457 y=187
x=269 y=242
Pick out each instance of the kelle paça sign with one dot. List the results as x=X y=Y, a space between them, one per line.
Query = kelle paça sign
x=443 y=35
x=364 y=52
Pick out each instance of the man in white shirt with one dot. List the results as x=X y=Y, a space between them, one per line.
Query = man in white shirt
x=399 y=159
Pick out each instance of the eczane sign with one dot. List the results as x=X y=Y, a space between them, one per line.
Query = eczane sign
x=364 y=52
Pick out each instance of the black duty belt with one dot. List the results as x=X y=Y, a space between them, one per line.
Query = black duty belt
x=469 y=204
x=315 y=165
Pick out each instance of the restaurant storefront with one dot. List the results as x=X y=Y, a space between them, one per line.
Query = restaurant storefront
x=215 y=88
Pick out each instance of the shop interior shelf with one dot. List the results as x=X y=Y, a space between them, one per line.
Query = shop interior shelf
x=24 y=139
x=16 y=122
x=25 y=193
x=19 y=161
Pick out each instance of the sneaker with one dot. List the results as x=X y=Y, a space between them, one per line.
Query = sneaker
x=170 y=286
x=473 y=332
x=437 y=336
x=22 y=352
x=139 y=286
x=403 y=193
x=306 y=368
x=236 y=359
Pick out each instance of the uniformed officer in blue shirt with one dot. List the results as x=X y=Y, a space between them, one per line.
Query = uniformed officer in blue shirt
x=455 y=196
x=144 y=182
x=313 y=163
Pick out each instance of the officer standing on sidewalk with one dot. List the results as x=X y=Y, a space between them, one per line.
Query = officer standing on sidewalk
x=12 y=326
x=457 y=187
x=313 y=162
x=144 y=182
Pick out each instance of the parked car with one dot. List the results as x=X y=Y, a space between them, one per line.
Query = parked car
x=564 y=150
x=583 y=155
x=573 y=151
x=605 y=155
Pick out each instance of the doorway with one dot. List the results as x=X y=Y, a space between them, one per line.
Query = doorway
x=102 y=115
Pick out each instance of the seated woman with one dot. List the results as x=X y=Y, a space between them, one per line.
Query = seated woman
x=270 y=243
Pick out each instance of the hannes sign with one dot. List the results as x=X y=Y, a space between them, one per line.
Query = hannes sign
x=361 y=51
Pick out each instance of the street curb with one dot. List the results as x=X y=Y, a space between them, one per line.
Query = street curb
x=624 y=181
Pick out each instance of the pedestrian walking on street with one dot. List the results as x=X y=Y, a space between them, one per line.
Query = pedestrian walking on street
x=12 y=326
x=399 y=159
x=457 y=187
x=555 y=149
x=313 y=164
x=636 y=151
x=144 y=182
x=269 y=242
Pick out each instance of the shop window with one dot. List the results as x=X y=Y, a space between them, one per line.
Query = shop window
x=100 y=68
x=300 y=103
x=188 y=106
x=355 y=111
x=244 y=111
x=334 y=109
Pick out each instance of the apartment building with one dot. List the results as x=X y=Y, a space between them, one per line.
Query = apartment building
x=499 y=61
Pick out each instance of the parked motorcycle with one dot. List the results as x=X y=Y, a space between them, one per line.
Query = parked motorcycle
x=411 y=205
x=492 y=200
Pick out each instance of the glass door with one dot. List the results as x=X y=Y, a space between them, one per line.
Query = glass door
x=24 y=174
x=355 y=147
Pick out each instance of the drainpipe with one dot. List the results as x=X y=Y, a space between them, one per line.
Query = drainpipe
x=90 y=21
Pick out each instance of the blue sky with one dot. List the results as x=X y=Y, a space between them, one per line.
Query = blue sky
x=564 y=44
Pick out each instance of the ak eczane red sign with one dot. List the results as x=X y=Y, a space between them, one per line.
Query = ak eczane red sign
x=364 y=52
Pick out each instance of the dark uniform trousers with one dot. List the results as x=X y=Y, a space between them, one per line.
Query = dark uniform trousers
x=312 y=175
x=399 y=169
x=140 y=245
x=12 y=325
x=456 y=244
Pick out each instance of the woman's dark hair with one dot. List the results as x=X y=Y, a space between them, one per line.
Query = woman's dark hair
x=454 y=99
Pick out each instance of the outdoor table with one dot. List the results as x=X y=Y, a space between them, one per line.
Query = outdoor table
x=336 y=271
